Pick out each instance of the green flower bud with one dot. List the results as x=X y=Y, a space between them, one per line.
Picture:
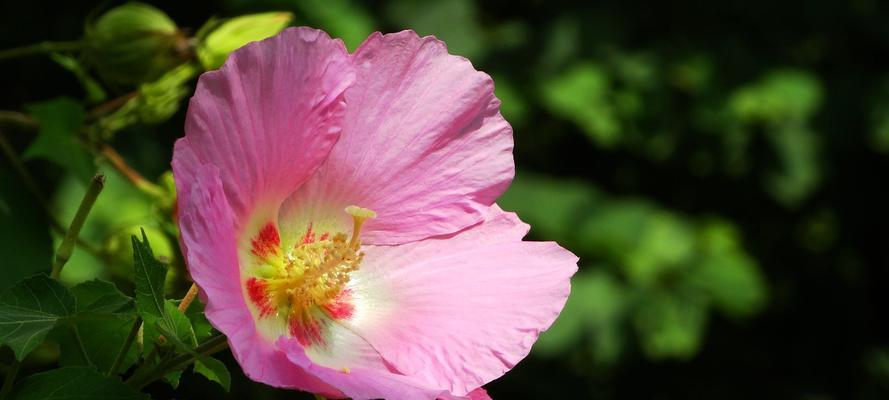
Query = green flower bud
x=236 y=32
x=135 y=43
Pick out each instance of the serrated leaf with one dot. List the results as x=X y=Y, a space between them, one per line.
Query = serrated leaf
x=150 y=275
x=100 y=297
x=60 y=119
x=74 y=383
x=29 y=310
x=176 y=327
x=213 y=370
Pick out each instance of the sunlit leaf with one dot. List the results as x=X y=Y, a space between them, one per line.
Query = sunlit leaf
x=581 y=94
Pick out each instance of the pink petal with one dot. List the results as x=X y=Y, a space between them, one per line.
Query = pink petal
x=266 y=119
x=459 y=312
x=423 y=145
x=360 y=382
x=207 y=224
x=479 y=394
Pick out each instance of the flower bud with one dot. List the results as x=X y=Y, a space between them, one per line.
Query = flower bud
x=135 y=43
x=236 y=32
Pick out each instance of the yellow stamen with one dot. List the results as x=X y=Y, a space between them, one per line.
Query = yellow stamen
x=359 y=215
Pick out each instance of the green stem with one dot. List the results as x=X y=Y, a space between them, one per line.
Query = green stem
x=40 y=48
x=10 y=378
x=67 y=246
x=122 y=354
x=18 y=119
x=211 y=346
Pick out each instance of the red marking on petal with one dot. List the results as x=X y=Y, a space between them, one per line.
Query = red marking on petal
x=310 y=235
x=257 y=289
x=324 y=236
x=267 y=242
x=341 y=307
x=306 y=330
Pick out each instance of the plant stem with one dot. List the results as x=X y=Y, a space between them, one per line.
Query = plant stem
x=67 y=246
x=40 y=48
x=211 y=346
x=122 y=354
x=19 y=119
x=189 y=297
x=10 y=378
x=134 y=177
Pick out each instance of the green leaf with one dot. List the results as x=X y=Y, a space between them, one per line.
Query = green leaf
x=149 y=277
x=671 y=325
x=60 y=119
x=29 y=310
x=728 y=274
x=101 y=338
x=74 y=383
x=100 y=297
x=437 y=17
x=176 y=327
x=202 y=328
x=213 y=370
x=236 y=32
x=583 y=95
x=594 y=311
x=25 y=241
x=173 y=377
x=347 y=19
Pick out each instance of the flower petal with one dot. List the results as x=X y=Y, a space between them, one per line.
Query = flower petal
x=459 y=312
x=208 y=238
x=267 y=118
x=423 y=145
x=361 y=383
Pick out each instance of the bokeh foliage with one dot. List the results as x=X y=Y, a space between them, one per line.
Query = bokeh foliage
x=715 y=166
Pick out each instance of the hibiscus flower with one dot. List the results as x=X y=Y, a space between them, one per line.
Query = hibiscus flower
x=337 y=211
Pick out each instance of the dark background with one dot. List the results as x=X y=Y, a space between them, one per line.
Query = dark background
x=718 y=167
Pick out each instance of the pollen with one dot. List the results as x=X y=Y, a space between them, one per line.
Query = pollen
x=305 y=285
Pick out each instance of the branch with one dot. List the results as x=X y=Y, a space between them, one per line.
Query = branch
x=211 y=346
x=67 y=246
x=39 y=48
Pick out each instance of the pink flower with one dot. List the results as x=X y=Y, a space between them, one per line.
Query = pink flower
x=338 y=213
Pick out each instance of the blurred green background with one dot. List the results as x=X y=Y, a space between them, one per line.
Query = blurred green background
x=715 y=165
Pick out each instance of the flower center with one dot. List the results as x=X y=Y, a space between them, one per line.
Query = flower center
x=305 y=285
